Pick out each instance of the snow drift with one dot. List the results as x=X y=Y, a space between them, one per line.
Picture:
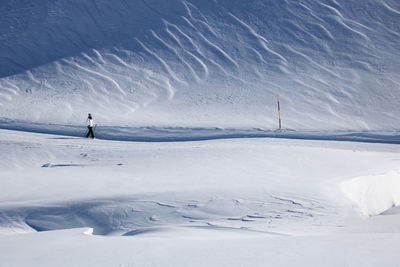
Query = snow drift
x=335 y=63
x=376 y=193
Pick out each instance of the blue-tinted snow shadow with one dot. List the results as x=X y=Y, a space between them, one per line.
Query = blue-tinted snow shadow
x=78 y=27
x=54 y=165
x=146 y=214
x=181 y=134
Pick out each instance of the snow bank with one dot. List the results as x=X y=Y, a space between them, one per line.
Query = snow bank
x=376 y=193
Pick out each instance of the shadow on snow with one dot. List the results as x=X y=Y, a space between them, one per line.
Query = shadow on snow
x=180 y=134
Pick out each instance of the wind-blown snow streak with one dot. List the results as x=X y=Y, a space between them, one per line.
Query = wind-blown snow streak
x=390 y=8
x=98 y=74
x=263 y=42
x=170 y=72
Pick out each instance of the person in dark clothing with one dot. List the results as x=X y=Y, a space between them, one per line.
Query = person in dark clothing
x=89 y=123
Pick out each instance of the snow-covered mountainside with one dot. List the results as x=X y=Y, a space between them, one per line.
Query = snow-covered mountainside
x=335 y=63
x=188 y=167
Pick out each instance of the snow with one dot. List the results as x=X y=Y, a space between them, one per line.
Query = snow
x=212 y=250
x=187 y=167
x=374 y=193
x=181 y=63
x=240 y=201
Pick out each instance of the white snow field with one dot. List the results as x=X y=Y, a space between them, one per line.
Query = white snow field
x=188 y=167
x=236 y=202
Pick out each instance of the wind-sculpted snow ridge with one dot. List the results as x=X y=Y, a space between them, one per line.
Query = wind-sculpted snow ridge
x=130 y=217
x=187 y=63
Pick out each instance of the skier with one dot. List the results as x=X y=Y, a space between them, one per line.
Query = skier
x=89 y=123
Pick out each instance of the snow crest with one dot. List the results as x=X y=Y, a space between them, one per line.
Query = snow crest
x=374 y=194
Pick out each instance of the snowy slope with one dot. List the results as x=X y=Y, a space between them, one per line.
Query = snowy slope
x=188 y=168
x=335 y=63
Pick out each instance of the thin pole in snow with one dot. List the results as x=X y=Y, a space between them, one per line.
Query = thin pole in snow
x=279 y=115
